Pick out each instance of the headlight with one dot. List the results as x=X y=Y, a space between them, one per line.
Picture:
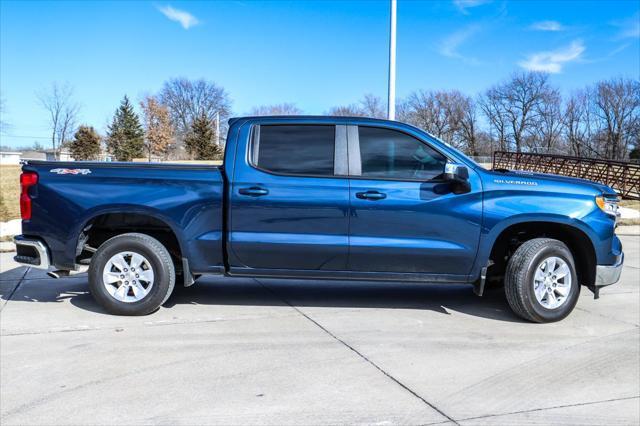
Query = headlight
x=608 y=205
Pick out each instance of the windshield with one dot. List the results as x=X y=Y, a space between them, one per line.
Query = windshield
x=453 y=148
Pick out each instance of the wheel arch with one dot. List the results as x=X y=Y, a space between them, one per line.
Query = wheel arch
x=101 y=224
x=510 y=236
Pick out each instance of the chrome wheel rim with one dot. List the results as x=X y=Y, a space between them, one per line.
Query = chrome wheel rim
x=552 y=282
x=128 y=276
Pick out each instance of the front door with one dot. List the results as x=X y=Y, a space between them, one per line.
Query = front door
x=288 y=204
x=404 y=217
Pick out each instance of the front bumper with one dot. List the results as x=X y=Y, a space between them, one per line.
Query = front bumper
x=609 y=274
x=31 y=252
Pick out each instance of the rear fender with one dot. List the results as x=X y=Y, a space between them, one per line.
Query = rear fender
x=92 y=214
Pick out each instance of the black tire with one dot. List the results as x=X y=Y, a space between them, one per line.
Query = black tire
x=159 y=259
x=519 y=280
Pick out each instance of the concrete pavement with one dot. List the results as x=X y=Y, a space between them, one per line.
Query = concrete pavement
x=244 y=351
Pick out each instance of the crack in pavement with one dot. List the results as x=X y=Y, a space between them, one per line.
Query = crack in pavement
x=49 y=397
x=607 y=317
x=376 y=366
x=532 y=360
x=15 y=288
x=533 y=410
x=118 y=328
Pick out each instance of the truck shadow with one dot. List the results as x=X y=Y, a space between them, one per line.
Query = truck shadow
x=214 y=291
x=441 y=298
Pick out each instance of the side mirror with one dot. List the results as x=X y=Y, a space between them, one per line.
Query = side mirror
x=456 y=172
x=458 y=176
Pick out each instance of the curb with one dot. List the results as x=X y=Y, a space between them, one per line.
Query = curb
x=628 y=230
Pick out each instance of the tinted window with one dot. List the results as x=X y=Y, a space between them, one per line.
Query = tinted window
x=389 y=154
x=299 y=150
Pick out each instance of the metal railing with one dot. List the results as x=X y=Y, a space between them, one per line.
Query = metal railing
x=622 y=176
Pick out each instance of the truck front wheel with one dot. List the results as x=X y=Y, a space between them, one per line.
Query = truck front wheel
x=131 y=274
x=541 y=284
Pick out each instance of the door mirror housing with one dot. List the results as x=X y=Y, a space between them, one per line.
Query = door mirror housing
x=458 y=176
x=456 y=172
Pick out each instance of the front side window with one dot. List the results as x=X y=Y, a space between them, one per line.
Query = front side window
x=386 y=153
x=295 y=149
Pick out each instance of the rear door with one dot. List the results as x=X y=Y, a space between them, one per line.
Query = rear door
x=289 y=198
x=404 y=216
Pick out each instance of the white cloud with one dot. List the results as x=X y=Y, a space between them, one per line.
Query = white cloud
x=450 y=46
x=552 y=61
x=547 y=26
x=629 y=28
x=184 y=18
x=463 y=5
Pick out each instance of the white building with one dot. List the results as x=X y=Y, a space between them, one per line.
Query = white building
x=63 y=155
x=33 y=155
x=10 y=158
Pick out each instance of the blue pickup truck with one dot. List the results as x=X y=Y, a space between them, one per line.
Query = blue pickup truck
x=322 y=198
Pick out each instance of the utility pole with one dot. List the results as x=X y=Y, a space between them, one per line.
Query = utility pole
x=391 y=102
x=218 y=128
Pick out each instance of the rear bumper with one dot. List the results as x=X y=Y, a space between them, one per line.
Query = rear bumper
x=609 y=274
x=31 y=252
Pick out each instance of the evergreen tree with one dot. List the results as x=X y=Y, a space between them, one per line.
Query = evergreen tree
x=125 y=138
x=85 y=144
x=200 y=140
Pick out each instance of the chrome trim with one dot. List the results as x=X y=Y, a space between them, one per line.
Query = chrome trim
x=43 y=253
x=609 y=274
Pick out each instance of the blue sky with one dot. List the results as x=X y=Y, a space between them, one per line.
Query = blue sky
x=314 y=54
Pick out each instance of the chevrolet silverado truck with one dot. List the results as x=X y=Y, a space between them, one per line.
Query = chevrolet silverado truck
x=322 y=198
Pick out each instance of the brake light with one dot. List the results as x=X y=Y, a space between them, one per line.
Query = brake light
x=27 y=180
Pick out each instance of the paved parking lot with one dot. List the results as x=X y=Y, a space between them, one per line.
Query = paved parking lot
x=245 y=351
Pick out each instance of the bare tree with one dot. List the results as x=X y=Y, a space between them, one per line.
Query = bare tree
x=189 y=99
x=373 y=106
x=426 y=110
x=63 y=113
x=468 y=126
x=351 y=110
x=525 y=112
x=277 y=109
x=518 y=101
x=449 y=115
x=576 y=125
x=158 y=128
x=456 y=106
x=369 y=106
x=616 y=105
x=547 y=128
x=484 y=144
x=491 y=105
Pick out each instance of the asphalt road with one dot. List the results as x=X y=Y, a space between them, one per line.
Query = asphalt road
x=245 y=351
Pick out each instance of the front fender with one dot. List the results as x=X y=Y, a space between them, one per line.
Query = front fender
x=490 y=235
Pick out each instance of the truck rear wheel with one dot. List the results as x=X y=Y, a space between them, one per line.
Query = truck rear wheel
x=131 y=274
x=541 y=284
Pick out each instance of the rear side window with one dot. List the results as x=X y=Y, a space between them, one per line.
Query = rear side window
x=390 y=154
x=296 y=150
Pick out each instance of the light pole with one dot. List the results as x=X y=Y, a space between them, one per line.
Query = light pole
x=218 y=128
x=391 y=102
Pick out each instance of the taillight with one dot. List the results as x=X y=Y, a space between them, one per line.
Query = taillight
x=27 y=180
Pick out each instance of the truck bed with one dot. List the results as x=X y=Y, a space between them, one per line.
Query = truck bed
x=70 y=196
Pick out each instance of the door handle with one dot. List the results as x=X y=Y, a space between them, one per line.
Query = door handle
x=371 y=195
x=254 y=191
